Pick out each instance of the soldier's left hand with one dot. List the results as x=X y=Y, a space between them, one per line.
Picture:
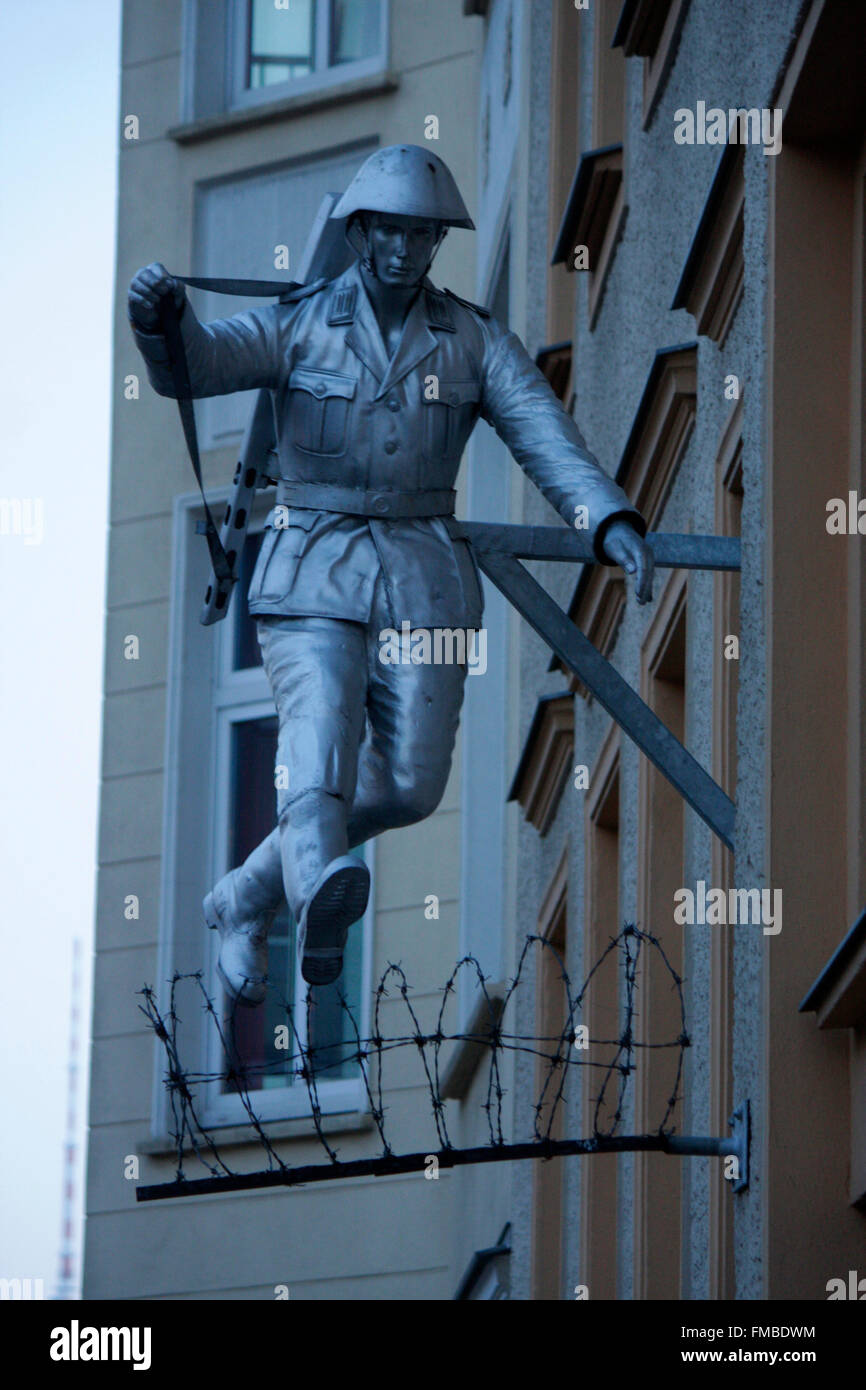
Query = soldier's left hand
x=625 y=547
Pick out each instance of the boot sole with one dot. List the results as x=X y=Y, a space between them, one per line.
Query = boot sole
x=339 y=902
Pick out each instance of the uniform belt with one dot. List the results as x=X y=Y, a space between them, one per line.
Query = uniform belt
x=328 y=497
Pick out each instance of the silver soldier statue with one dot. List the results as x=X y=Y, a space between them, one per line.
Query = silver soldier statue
x=378 y=379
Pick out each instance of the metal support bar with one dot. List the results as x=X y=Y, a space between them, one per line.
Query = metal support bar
x=387 y=1164
x=613 y=693
x=559 y=543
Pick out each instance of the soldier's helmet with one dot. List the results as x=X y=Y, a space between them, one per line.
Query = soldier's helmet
x=405 y=179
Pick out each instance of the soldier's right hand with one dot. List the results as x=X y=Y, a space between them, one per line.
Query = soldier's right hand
x=146 y=290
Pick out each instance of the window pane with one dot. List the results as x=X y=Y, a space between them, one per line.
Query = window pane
x=253 y=794
x=253 y=815
x=355 y=27
x=280 y=42
x=246 y=651
x=253 y=811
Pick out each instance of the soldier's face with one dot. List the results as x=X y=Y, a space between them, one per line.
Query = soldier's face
x=400 y=247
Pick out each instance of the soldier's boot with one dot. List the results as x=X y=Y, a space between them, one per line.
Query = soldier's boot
x=243 y=955
x=339 y=898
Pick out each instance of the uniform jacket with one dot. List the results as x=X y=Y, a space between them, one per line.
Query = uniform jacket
x=346 y=415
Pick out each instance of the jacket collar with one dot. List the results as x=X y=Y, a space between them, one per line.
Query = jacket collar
x=429 y=310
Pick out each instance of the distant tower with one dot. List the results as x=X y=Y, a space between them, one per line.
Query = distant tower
x=67 y=1278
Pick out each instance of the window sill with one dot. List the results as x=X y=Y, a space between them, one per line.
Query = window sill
x=234 y=1136
x=248 y=117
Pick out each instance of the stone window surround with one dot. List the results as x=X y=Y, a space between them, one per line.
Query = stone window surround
x=545 y=762
x=650 y=29
x=728 y=487
x=594 y=217
x=838 y=999
x=711 y=284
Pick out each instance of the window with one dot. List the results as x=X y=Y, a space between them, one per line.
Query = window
x=661 y=850
x=280 y=42
x=280 y=49
x=551 y=1013
x=600 y=1089
x=608 y=87
x=221 y=803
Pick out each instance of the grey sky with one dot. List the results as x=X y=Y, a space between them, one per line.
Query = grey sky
x=58 y=152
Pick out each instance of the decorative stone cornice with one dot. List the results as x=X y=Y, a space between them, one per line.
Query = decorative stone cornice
x=594 y=217
x=640 y=26
x=838 y=999
x=711 y=284
x=838 y=996
x=590 y=205
x=661 y=429
x=554 y=362
x=650 y=29
x=546 y=760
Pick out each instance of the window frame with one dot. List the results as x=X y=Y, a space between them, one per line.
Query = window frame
x=225 y=697
x=325 y=74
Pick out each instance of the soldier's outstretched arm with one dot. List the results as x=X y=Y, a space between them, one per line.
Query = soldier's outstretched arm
x=517 y=400
x=231 y=354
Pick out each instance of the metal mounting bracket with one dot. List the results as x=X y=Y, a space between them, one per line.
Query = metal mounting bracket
x=497 y=549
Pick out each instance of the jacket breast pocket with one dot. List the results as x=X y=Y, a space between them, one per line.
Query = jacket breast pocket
x=449 y=418
x=320 y=405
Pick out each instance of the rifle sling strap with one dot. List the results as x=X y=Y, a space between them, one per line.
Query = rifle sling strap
x=170 y=326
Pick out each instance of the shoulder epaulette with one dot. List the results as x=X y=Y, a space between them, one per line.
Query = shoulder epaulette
x=303 y=291
x=467 y=304
x=439 y=311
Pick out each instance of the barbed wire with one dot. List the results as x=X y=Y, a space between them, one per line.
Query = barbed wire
x=556 y=1055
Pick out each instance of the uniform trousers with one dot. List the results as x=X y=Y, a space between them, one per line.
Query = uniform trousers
x=363 y=746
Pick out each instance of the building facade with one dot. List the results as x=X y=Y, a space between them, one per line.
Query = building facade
x=702 y=319
x=710 y=274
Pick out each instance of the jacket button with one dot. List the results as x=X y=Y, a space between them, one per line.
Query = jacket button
x=319 y=388
x=454 y=398
x=381 y=505
x=391 y=446
x=393 y=404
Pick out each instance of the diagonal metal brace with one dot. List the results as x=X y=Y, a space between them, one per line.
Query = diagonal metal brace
x=613 y=693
